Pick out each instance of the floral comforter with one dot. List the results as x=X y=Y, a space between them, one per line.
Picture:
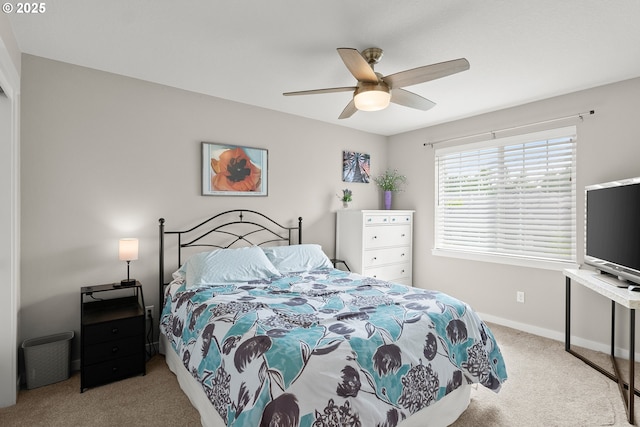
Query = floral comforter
x=327 y=348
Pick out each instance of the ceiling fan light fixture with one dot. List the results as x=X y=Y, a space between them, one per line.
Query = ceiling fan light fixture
x=373 y=90
x=372 y=97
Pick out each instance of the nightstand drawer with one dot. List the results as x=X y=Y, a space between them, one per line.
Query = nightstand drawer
x=117 y=329
x=113 y=370
x=112 y=349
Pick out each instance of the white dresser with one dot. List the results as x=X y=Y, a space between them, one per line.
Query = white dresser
x=376 y=243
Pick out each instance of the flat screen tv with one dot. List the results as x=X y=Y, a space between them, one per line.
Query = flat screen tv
x=612 y=228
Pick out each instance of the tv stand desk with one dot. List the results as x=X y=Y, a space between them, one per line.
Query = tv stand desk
x=623 y=297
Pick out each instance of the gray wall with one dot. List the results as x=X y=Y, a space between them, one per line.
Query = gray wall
x=608 y=149
x=105 y=156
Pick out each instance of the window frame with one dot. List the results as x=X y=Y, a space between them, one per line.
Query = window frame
x=502 y=258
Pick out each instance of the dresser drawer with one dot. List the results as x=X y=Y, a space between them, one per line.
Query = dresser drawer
x=112 y=349
x=376 y=257
x=113 y=370
x=376 y=219
x=394 y=235
x=387 y=219
x=389 y=272
x=400 y=219
x=113 y=330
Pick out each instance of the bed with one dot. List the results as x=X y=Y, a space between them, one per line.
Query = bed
x=261 y=330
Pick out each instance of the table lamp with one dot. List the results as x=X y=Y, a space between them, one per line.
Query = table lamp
x=128 y=251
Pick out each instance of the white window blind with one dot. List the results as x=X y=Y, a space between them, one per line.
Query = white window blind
x=512 y=197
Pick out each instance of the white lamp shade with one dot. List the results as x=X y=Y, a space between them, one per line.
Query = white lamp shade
x=128 y=249
x=372 y=98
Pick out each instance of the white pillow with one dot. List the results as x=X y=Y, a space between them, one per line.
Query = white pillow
x=227 y=266
x=292 y=258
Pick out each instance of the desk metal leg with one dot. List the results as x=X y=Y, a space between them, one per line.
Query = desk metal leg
x=613 y=329
x=632 y=363
x=567 y=315
x=567 y=337
x=627 y=390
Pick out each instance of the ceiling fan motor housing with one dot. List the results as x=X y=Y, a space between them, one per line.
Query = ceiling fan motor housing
x=372 y=55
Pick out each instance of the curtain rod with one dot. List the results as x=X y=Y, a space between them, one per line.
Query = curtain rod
x=493 y=132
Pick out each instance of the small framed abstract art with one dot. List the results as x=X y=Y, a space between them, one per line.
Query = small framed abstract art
x=356 y=167
x=232 y=170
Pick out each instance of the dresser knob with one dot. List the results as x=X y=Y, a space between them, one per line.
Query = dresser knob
x=115 y=349
x=375 y=237
x=114 y=331
x=402 y=235
x=114 y=369
x=401 y=254
x=375 y=258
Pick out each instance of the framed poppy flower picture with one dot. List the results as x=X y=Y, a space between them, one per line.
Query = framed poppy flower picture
x=231 y=170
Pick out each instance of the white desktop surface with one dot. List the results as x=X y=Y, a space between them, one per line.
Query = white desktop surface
x=607 y=286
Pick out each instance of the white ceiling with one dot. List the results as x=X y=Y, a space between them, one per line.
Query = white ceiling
x=251 y=51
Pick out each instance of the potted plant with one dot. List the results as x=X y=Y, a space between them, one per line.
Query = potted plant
x=389 y=182
x=347 y=196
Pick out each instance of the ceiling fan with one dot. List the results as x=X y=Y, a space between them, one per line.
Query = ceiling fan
x=374 y=91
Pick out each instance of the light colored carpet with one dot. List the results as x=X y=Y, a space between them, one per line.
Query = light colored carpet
x=151 y=400
x=546 y=387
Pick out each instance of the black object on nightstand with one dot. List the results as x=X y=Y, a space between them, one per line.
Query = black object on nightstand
x=112 y=334
x=340 y=261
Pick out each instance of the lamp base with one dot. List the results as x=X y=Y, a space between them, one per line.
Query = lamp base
x=126 y=282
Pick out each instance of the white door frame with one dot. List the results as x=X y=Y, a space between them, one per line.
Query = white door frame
x=10 y=223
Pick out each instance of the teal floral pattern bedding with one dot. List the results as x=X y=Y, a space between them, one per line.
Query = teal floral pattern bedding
x=327 y=348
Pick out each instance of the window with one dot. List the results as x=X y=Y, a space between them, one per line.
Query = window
x=509 y=200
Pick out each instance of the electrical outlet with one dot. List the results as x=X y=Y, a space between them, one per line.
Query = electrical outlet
x=520 y=297
x=149 y=312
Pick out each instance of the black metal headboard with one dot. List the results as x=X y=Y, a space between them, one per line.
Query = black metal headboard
x=227 y=229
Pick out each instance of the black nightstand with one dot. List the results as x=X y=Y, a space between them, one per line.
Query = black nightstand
x=112 y=338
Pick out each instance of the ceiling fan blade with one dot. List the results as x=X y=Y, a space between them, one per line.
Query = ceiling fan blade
x=410 y=99
x=316 y=91
x=426 y=73
x=357 y=65
x=349 y=110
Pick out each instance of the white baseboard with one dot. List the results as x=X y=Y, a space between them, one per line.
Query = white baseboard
x=557 y=336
